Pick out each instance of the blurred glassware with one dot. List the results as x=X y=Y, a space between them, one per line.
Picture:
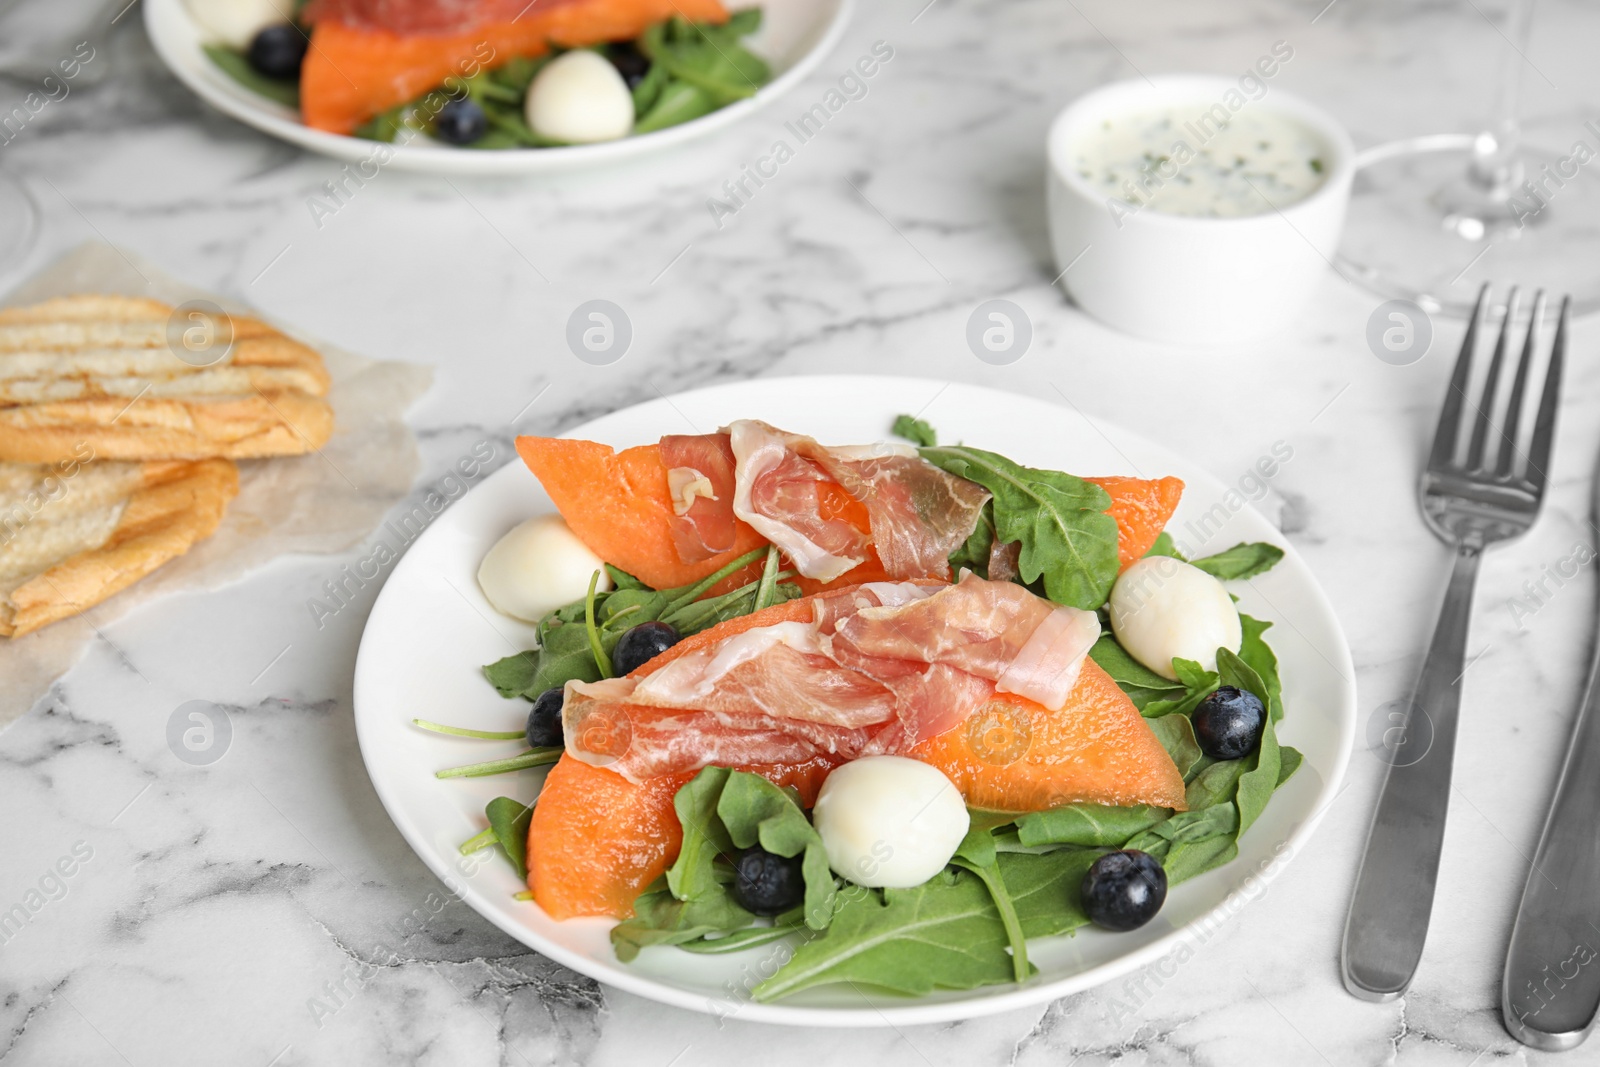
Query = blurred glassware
x=1432 y=217
x=19 y=221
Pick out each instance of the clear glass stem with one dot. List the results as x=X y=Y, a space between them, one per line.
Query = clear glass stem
x=1496 y=166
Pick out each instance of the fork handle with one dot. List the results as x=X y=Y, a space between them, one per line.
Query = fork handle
x=1388 y=920
x=1552 y=980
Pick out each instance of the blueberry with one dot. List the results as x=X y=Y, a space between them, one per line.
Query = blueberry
x=767 y=884
x=460 y=122
x=631 y=63
x=1228 y=723
x=1124 y=890
x=642 y=644
x=544 y=720
x=278 y=51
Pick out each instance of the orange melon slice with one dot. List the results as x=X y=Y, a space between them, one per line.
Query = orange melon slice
x=618 y=504
x=1015 y=755
x=597 y=840
x=351 y=74
x=1141 y=507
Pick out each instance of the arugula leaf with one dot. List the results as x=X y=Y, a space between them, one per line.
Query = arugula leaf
x=943 y=934
x=677 y=103
x=974 y=551
x=1289 y=760
x=1241 y=561
x=1165 y=546
x=1045 y=888
x=915 y=430
x=976 y=853
x=1176 y=734
x=1256 y=785
x=754 y=810
x=1261 y=659
x=704 y=836
x=509 y=820
x=1198 y=683
x=1185 y=860
x=1143 y=685
x=709 y=58
x=236 y=66
x=1067 y=537
x=659 y=918
x=739 y=940
x=1097 y=825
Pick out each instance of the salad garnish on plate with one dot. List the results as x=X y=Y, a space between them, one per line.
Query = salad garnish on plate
x=908 y=706
x=489 y=74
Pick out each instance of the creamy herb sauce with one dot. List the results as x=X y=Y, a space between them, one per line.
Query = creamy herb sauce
x=1179 y=162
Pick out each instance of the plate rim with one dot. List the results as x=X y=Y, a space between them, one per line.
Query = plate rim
x=870 y=1015
x=442 y=159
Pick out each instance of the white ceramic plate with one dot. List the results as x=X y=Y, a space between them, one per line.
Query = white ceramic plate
x=794 y=37
x=431 y=630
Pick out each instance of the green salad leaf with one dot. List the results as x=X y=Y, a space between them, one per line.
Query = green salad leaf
x=1165 y=546
x=237 y=66
x=917 y=431
x=1143 y=685
x=509 y=819
x=1088 y=825
x=943 y=934
x=753 y=811
x=976 y=853
x=1241 y=561
x=1066 y=537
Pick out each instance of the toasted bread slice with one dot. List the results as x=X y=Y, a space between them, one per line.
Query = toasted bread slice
x=73 y=533
x=98 y=372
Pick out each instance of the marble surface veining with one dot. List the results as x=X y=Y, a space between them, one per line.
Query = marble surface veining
x=210 y=908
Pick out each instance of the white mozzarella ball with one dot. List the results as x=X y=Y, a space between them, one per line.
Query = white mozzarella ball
x=889 y=821
x=1163 y=608
x=537 y=567
x=580 y=98
x=236 y=22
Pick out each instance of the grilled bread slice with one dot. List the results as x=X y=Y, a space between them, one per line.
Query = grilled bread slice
x=74 y=532
x=99 y=372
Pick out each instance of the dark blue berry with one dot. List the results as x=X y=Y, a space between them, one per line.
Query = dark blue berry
x=640 y=645
x=1228 y=723
x=1124 y=890
x=460 y=122
x=278 y=51
x=544 y=720
x=767 y=884
x=631 y=63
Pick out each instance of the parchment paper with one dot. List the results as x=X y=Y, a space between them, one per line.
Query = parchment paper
x=323 y=502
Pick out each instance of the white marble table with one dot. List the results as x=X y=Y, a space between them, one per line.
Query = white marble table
x=217 y=902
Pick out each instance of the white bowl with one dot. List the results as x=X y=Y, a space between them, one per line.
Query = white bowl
x=1182 y=278
x=794 y=37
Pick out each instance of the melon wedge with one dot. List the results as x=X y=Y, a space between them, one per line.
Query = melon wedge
x=1015 y=755
x=1141 y=507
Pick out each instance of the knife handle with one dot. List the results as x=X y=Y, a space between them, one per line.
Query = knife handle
x=1393 y=901
x=1551 y=989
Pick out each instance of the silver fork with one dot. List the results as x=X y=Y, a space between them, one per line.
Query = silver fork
x=1487 y=498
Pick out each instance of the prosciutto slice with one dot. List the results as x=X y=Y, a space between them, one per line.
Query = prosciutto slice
x=877 y=669
x=700 y=477
x=917 y=514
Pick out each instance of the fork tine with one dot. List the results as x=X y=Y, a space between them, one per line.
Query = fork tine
x=1519 y=388
x=1483 y=421
x=1544 y=426
x=1449 y=430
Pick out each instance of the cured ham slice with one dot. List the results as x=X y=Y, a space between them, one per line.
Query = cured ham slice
x=916 y=513
x=876 y=669
x=700 y=476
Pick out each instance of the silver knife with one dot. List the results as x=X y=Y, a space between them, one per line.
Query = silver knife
x=1551 y=989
